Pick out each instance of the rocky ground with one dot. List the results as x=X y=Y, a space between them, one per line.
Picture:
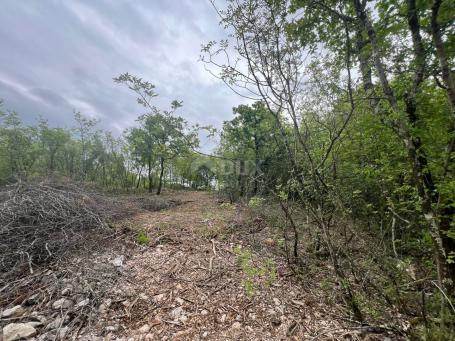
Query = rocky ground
x=187 y=274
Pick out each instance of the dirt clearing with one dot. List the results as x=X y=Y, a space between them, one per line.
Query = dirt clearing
x=182 y=274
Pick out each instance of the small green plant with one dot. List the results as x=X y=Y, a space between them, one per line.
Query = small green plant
x=254 y=273
x=142 y=238
x=256 y=202
x=227 y=205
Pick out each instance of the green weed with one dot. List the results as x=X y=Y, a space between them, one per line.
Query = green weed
x=142 y=238
x=256 y=202
x=254 y=273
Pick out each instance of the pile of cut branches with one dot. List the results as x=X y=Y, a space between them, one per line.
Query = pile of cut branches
x=40 y=222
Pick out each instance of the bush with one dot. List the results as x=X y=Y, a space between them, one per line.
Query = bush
x=256 y=202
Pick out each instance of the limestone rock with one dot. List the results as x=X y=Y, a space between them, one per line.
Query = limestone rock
x=62 y=303
x=176 y=313
x=236 y=325
x=67 y=291
x=159 y=298
x=113 y=328
x=144 y=329
x=83 y=303
x=16 y=331
x=15 y=311
x=118 y=261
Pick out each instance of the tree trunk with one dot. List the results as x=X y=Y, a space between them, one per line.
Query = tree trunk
x=150 y=174
x=139 y=178
x=441 y=53
x=52 y=162
x=447 y=211
x=256 y=161
x=241 y=178
x=158 y=191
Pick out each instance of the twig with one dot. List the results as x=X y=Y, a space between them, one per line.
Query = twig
x=444 y=294
x=213 y=247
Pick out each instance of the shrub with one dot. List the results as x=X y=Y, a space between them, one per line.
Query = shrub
x=256 y=202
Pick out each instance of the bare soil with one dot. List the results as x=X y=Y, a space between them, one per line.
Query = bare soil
x=197 y=274
x=187 y=284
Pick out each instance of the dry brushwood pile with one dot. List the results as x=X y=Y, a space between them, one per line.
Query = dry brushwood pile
x=41 y=222
x=184 y=268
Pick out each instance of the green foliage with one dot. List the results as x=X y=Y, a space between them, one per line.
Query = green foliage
x=161 y=136
x=227 y=205
x=256 y=202
x=360 y=96
x=142 y=238
x=254 y=273
x=85 y=153
x=250 y=153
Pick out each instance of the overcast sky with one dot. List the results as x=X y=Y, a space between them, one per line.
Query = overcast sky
x=60 y=55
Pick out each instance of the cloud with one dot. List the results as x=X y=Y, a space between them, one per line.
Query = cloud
x=49 y=97
x=62 y=55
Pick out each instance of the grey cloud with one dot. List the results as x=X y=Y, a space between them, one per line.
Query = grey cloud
x=62 y=55
x=50 y=97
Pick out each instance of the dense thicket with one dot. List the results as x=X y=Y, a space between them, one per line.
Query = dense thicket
x=354 y=118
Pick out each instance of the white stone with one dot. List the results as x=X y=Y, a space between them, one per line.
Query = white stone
x=204 y=312
x=113 y=328
x=83 y=303
x=17 y=310
x=42 y=319
x=62 y=303
x=105 y=306
x=179 y=300
x=102 y=309
x=271 y=312
x=16 y=331
x=176 y=313
x=158 y=298
x=118 y=261
x=236 y=325
x=144 y=297
x=67 y=291
x=144 y=329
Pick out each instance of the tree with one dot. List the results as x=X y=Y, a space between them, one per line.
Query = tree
x=271 y=67
x=402 y=74
x=361 y=93
x=52 y=140
x=248 y=139
x=84 y=130
x=161 y=136
x=17 y=144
